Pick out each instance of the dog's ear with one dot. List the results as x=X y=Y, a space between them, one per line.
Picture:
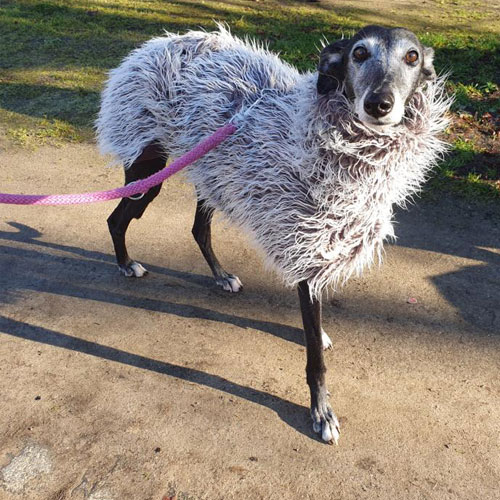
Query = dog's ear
x=331 y=71
x=428 y=71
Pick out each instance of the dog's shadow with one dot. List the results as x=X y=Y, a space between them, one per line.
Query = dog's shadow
x=85 y=282
x=44 y=271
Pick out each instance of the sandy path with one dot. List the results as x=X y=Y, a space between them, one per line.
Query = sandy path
x=134 y=389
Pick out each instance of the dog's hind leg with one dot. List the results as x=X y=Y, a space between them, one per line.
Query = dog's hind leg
x=325 y=422
x=129 y=209
x=202 y=233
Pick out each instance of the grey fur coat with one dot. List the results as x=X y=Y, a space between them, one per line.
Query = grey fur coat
x=312 y=185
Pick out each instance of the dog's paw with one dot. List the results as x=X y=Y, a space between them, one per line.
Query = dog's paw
x=133 y=270
x=229 y=283
x=325 y=339
x=325 y=422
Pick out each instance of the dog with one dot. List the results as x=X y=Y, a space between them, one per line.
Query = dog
x=313 y=172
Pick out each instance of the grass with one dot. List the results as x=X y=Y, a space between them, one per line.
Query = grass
x=55 y=55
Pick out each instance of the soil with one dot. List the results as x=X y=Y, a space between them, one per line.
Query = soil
x=166 y=387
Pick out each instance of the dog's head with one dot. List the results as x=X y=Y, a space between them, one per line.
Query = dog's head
x=379 y=69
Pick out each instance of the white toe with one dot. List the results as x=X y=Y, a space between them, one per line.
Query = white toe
x=235 y=283
x=138 y=270
x=231 y=284
x=327 y=434
x=329 y=431
x=134 y=269
x=336 y=435
x=327 y=343
x=334 y=428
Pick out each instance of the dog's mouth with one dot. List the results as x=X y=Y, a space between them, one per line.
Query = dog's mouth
x=378 y=125
x=376 y=119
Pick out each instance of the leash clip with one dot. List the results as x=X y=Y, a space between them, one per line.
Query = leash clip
x=242 y=113
x=135 y=197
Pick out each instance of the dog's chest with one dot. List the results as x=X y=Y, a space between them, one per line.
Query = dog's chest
x=353 y=205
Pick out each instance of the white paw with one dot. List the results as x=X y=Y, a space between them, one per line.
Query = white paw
x=133 y=270
x=326 y=424
x=327 y=343
x=229 y=283
x=329 y=431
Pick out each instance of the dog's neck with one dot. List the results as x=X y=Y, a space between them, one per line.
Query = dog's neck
x=355 y=175
x=350 y=151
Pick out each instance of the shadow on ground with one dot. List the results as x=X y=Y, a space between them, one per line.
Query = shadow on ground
x=453 y=227
x=53 y=274
x=291 y=413
x=445 y=228
x=50 y=101
x=30 y=263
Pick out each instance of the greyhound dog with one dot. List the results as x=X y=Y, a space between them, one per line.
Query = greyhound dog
x=314 y=174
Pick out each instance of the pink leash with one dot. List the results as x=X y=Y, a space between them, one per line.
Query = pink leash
x=142 y=186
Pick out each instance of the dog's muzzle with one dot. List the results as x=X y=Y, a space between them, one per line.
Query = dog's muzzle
x=378 y=105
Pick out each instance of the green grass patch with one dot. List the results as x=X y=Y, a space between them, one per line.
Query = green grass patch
x=467 y=171
x=471 y=187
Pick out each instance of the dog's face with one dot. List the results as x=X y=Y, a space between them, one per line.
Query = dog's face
x=380 y=69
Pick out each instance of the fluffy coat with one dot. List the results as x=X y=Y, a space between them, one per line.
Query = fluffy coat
x=313 y=186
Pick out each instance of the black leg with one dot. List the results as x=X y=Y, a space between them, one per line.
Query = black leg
x=129 y=209
x=202 y=233
x=324 y=420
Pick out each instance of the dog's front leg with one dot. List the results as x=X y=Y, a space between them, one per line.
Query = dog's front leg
x=324 y=420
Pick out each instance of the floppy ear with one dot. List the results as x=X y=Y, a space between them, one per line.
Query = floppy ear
x=331 y=66
x=428 y=71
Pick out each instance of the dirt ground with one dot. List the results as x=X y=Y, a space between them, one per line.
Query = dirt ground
x=474 y=15
x=116 y=388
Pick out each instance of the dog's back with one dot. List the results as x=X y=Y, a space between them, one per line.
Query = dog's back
x=176 y=81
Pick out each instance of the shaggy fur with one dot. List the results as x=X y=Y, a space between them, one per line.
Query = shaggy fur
x=312 y=184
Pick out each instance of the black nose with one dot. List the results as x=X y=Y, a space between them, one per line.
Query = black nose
x=378 y=105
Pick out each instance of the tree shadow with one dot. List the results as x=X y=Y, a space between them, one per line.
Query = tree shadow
x=50 y=101
x=89 y=34
x=452 y=227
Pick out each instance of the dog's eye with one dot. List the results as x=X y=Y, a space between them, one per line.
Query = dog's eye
x=411 y=57
x=360 y=53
